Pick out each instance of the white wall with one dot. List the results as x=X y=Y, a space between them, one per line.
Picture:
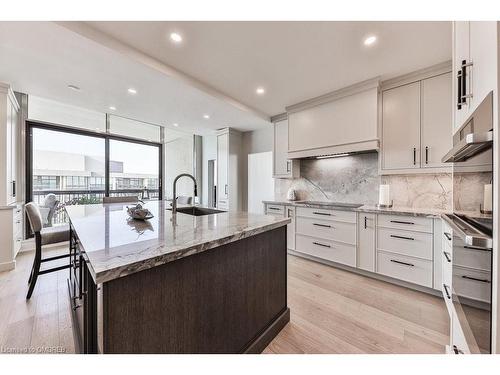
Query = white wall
x=178 y=159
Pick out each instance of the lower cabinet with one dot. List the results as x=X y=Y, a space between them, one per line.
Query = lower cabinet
x=290 y=228
x=366 y=242
x=413 y=270
x=326 y=249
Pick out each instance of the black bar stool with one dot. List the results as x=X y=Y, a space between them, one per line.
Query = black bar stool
x=44 y=236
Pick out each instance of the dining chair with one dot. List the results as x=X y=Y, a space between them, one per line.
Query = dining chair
x=44 y=236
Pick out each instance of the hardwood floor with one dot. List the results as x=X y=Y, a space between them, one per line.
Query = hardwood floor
x=332 y=311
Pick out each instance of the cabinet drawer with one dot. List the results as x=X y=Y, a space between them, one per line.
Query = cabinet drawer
x=417 y=271
x=416 y=244
x=472 y=284
x=330 y=230
x=320 y=213
x=419 y=224
x=329 y=250
x=472 y=258
x=275 y=209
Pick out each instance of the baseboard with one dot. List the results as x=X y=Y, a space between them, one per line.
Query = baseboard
x=373 y=275
x=265 y=338
x=7 y=266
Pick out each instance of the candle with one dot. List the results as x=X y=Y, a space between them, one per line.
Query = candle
x=383 y=195
x=488 y=198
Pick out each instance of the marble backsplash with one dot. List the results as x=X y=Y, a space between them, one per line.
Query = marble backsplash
x=355 y=179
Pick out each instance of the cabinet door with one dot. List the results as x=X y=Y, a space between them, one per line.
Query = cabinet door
x=483 y=55
x=13 y=165
x=9 y=154
x=366 y=242
x=401 y=127
x=281 y=165
x=290 y=234
x=436 y=120
x=460 y=53
x=222 y=166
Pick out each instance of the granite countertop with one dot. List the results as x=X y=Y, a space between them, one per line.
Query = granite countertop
x=115 y=247
x=407 y=211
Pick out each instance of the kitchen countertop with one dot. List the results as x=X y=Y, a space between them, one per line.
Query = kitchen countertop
x=407 y=211
x=115 y=247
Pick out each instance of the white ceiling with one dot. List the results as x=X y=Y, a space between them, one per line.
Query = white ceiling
x=294 y=61
x=216 y=68
x=42 y=58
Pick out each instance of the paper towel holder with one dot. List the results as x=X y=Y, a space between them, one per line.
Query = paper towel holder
x=378 y=205
x=484 y=211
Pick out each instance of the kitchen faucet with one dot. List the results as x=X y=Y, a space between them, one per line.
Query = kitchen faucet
x=174 y=202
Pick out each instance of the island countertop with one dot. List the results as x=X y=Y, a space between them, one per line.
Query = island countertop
x=115 y=246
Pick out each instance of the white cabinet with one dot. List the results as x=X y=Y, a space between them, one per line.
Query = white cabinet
x=290 y=234
x=366 y=242
x=229 y=170
x=282 y=166
x=475 y=46
x=416 y=125
x=9 y=109
x=436 y=117
x=401 y=127
x=343 y=121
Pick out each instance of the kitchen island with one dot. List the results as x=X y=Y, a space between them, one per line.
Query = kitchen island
x=176 y=283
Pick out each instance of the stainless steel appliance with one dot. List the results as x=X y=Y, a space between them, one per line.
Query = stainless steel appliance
x=472 y=227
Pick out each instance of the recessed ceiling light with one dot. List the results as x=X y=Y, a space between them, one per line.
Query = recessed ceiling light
x=176 y=38
x=112 y=108
x=260 y=90
x=132 y=91
x=73 y=87
x=206 y=116
x=176 y=124
x=370 y=40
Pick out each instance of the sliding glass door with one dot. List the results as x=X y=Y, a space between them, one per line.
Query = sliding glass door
x=72 y=167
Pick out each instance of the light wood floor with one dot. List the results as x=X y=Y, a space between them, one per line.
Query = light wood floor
x=332 y=311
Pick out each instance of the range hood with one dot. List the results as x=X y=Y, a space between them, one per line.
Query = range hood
x=471 y=145
x=475 y=135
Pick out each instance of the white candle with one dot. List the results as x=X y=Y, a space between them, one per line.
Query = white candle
x=383 y=195
x=488 y=198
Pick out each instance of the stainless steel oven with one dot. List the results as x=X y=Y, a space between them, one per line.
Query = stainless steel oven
x=472 y=224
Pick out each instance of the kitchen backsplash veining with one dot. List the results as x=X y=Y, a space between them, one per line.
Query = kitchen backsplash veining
x=355 y=179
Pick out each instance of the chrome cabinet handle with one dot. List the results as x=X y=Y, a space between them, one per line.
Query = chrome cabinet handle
x=414 y=156
x=447 y=235
x=402 y=237
x=426 y=155
x=365 y=223
x=459 y=90
x=475 y=279
x=288 y=165
x=445 y=287
x=323 y=225
x=225 y=189
x=403 y=263
x=274 y=208
x=464 y=66
x=447 y=256
x=456 y=350
x=321 y=244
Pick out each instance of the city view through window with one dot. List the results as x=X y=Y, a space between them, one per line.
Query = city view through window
x=70 y=169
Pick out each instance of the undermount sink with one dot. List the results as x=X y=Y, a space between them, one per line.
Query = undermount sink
x=198 y=211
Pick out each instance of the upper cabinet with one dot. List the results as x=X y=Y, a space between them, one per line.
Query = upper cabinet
x=416 y=122
x=282 y=166
x=339 y=122
x=474 y=66
x=9 y=109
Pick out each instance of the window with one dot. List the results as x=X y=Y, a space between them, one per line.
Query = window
x=45 y=182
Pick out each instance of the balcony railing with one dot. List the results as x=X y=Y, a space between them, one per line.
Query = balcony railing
x=78 y=197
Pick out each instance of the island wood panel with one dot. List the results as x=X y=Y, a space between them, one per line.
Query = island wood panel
x=230 y=299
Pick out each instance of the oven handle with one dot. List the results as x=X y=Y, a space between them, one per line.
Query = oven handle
x=468 y=239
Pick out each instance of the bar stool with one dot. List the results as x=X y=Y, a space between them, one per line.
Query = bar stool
x=44 y=236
